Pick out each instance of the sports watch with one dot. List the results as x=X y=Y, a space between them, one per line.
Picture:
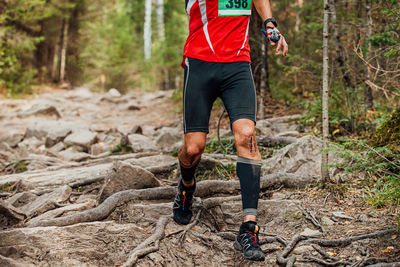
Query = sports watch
x=270 y=20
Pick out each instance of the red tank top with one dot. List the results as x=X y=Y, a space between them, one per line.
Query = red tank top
x=218 y=30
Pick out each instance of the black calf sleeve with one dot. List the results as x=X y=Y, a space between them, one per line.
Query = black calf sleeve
x=187 y=173
x=248 y=171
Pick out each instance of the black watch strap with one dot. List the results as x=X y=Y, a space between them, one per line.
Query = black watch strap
x=270 y=20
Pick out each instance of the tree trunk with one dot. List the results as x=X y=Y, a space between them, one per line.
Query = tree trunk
x=325 y=92
x=147 y=30
x=160 y=20
x=264 y=86
x=63 y=50
x=368 y=98
x=340 y=59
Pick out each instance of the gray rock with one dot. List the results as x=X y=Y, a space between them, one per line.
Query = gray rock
x=127 y=177
x=140 y=143
x=136 y=129
x=29 y=145
x=132 y=106
x=302 y=157
x=47 y=201
x=326 y=221
x=303 y=250
x=41 y=129
x=56 y=136
x=83 y=138
x=114 y=93
x=12 y=138
x=168 y=137
x=41 y=108
x=274 y=126
x=57 y=148
x=71 y=154
x=341 y=215
x=311 y=233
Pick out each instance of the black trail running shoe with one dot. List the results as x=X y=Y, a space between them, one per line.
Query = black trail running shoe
x=247 y=242
x=182 y=208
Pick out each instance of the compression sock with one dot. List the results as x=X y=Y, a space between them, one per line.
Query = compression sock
x=249 y=171
x=187 y=173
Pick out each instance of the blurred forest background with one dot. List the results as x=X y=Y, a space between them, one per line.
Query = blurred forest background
x=127 y=44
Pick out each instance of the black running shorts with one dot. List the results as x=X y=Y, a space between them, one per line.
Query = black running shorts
x=205 y=81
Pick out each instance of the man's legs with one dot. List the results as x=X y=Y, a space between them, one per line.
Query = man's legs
x=248 y=169
x=189 y=157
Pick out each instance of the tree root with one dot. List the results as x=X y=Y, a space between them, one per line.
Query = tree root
x=187 y=228
x=325 y=263
x=327 y=256
x=142 y=249
x=268 y=141
x=392 y=264
x=204 y=189
x=282 y=257
x=342 y=242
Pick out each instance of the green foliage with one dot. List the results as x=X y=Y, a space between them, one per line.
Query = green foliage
x=219 y=172
x=388 y=134
x=215 y=147
x=380 y=167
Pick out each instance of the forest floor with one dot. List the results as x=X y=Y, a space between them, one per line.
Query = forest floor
x=66 y=200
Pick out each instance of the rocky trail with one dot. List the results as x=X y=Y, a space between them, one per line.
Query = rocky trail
x=88 y=179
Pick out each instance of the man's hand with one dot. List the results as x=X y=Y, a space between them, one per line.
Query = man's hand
x=281 y=44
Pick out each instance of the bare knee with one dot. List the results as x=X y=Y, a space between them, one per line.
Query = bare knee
x=244 y=137
x=194 y=150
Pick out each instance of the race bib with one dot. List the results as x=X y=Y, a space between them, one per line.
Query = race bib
x=234 y=8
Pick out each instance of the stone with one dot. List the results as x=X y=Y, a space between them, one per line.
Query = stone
x=114 y=93
x=21 y=199
x=41 y=108
x=4 y=261
x=140 y=143
x=22 y=186
x=341 y=215
x=12 y=138
x=56 y=136
x=41 y=129
x=71 y=154
x=310 y=233
x=47 y=201
x=132 y=106
x=57 y=148
x=83 y=138
x=168 y=137
x=302 y=157
x=303 y=250
x=50 y=179
x=29 y=145
x=136 y=129
x=127 y=177
x=326 y=221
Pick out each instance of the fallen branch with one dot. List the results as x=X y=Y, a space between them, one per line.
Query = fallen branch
x=142 y=249
x=312 y=218
x=204 y=189
x=342 y=242
x=282 y=257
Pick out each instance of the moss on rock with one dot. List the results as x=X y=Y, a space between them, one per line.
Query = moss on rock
x=388 y=134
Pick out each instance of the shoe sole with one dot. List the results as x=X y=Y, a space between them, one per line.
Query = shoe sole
x=239 y=247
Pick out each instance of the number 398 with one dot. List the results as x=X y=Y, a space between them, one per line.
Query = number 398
x=237 y=4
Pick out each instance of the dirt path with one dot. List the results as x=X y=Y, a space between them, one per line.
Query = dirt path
x=67 y=200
